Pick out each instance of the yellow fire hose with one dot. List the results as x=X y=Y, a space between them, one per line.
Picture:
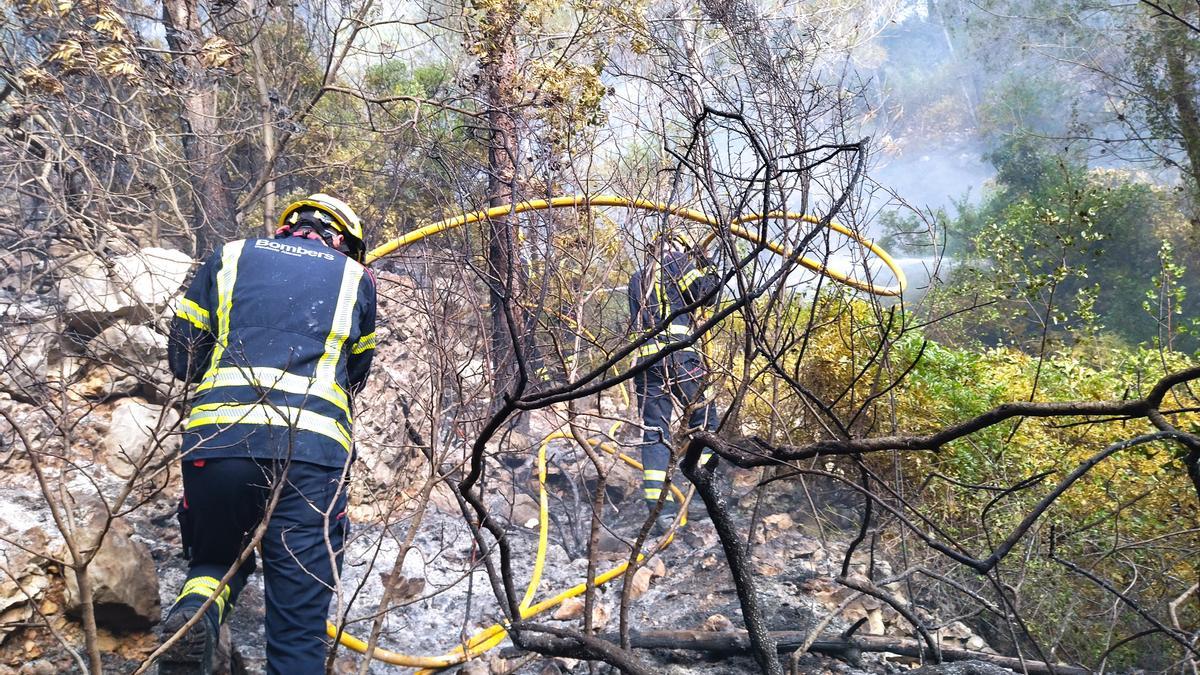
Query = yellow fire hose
x=582 y=201
x=496 y=633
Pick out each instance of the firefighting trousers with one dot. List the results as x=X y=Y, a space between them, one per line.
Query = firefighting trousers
x=224 y=502
x=677 y=379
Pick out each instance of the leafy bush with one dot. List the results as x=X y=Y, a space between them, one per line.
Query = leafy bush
x=1062 y=252
x=1131 y=520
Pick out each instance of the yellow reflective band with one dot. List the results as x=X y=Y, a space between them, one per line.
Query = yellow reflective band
x=264 y=379
x=365 y=343
x=651 y=474
x=277 y=416
x=343 y=316
x=655 y=493
x=204 y=587
x=689 y=278
x=194 y=314
x=226 y=279
x=652 y=348
x=648 y=349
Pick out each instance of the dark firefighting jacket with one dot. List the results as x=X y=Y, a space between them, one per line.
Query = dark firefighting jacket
x=277 y=334
x=660 y=289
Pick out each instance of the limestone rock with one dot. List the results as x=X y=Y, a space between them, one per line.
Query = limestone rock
x=140 y=347
x=94 y=294
x=517 y=508
x=610 y=546
x=103 y=381
x=525 y=511
x=38 y=667
x=572 y=608
x=24 y=580
x=959 y=636
x=152 y=275
x=717 y=623
x=569 y=609
x=476 y=667
x=87 y=294
x=641 y=582
x=26 y=354
x=137 y=427
x=123 y=577
x=139 y=354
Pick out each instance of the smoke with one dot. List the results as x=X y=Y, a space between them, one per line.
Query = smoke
x=929 y=178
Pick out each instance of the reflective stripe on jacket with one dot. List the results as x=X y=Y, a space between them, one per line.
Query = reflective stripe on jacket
x=277 y=334
x=658 y=290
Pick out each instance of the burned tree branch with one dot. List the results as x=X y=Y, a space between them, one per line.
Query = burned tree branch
x=735 y=553
x=738 y=642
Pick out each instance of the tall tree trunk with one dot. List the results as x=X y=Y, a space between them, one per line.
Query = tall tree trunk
x=507 y=276
x=1181 y=83
x=213 y=217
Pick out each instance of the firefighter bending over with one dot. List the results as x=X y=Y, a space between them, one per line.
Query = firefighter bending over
x=277 y=334
x=658 y=290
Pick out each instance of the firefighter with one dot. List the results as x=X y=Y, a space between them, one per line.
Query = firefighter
x=277 y=334
x=657 y=291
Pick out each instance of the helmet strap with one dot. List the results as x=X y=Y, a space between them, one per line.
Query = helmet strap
x=312 y=225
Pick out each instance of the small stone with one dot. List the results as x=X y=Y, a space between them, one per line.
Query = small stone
x=809 y=548
x=571 y=608
x=717 y=623
x=499 y=666
x=106 y=641
x=600 y=616
x=525 y=511
x=768 y=569
x=39 y=667
x=779 y=521
x=640 y=582
x=611 y=546
x=875 y=622
x=657 y=566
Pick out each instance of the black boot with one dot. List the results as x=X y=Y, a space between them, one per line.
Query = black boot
x=665 y=519
x=196 y=651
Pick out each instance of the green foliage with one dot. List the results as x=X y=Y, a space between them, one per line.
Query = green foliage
x=393 y=178
x=1062 y=250
x=1139 y=495
x=1130 y=519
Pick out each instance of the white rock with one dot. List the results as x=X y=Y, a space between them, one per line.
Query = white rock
x=102 y=381
x=123 y=577
x=26 y=352
x=136 y=286
x=88 y=295
x=24 y=580
x=152 y=276
x=130 y=344
x=137 y=427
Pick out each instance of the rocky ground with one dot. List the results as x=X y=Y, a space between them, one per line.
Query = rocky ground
x=83 y=382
